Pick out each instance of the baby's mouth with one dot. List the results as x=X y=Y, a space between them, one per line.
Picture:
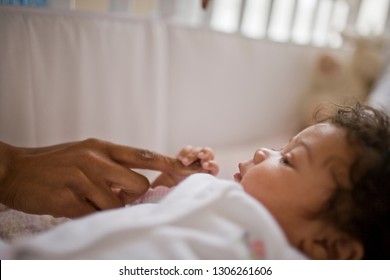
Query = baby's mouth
x=238 y=176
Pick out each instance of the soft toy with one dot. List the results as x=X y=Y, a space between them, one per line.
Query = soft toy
x=346 y=78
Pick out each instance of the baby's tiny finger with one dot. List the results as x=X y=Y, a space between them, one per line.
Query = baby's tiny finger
x=183 y=152
x=214 y=168
x=206 y=153
x=186 y=161
x=191 y=156
x=211 y=166
x=183 y=155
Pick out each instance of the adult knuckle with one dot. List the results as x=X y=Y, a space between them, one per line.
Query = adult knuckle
x=91 y=149
x=92 y=142
x=75 y=174
x=144 y=182
x=146 y=155
x=87 y=158
x=149 y=159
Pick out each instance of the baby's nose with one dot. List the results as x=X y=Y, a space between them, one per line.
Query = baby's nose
x=262 y=154
x=259 y=156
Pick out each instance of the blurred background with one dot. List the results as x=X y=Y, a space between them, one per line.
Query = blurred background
x=161 y=74
x=317 y=22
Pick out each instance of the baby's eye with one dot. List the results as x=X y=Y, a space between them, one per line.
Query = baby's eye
x=285 y=160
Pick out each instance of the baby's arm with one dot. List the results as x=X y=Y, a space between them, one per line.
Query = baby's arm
x=189 y=155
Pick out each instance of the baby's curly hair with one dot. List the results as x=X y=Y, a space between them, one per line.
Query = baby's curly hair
x=363 y=211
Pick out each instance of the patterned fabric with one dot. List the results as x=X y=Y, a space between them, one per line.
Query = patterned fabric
x=14 y=224
x=153 y=195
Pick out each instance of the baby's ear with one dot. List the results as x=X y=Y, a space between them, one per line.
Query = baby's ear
x=347 y=248
x=335 y=245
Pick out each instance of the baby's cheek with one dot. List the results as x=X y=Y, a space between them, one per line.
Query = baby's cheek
x=249 y=186
x=256 y=185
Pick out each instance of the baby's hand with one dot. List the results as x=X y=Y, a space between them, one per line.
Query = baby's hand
x=198 y=155
x=189 y=155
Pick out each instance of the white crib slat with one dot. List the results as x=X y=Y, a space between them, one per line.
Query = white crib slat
x=304 y=20
x=281 y=17
x=255 y=18
x=387 y=26
x=338 y=23
x=354 y=6
x=292 y=19
x=270 y=12
x=372 y=17
x=226 y=15
x=241 y=14
x=321 y=27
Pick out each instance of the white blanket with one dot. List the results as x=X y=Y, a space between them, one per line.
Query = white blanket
x=202 y=218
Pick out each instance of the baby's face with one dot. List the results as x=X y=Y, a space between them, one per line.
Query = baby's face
x=298 y=179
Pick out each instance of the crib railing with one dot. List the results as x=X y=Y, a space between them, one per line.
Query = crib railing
x=316 y=22
x=311 y=22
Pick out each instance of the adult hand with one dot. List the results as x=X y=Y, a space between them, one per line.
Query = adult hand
x=75 y=179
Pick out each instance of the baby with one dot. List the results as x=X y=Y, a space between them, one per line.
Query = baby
x=325 y=194
x=328 y=188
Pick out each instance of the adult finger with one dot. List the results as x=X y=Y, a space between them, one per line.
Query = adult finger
x=102 y=198
x=128 y=185
x=60 y=207
x=145 y=159
x=211 y=166
x=93 y=191
x=103 y=172
x=206 y=153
